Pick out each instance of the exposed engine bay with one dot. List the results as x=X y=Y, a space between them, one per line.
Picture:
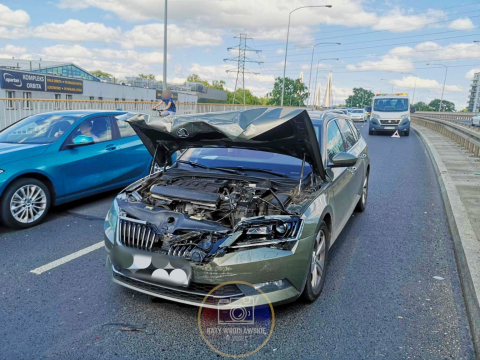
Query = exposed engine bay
x=200 y=217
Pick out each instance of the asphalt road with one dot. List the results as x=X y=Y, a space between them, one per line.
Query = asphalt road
x=380 y=300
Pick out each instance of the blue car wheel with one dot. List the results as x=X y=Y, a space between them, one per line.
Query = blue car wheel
x=25 y=203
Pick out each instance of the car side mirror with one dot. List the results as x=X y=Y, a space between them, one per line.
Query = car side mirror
x=412 y=109
x=343 y=159
x=81 y=140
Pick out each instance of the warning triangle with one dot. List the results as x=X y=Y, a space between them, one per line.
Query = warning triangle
x=396 y=135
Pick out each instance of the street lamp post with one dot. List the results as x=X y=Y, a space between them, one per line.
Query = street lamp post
x=165 y=49
x=444 y=81
x=311 y=62
x=286 y=46
x=414 y=86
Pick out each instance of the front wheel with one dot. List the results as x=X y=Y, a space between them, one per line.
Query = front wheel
x=25 y=203
x=318 y=265
x=362 y=203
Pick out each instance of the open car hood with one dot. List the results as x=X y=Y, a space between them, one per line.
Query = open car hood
x=283 y=131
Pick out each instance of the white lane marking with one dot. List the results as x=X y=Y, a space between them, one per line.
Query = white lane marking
x=67 y=258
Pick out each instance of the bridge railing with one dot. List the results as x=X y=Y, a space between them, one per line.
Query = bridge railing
x=455 y=116
x=465 y=135
x=12 y=110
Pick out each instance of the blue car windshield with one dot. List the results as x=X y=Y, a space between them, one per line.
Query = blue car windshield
x=39 y=129
x=253 y=159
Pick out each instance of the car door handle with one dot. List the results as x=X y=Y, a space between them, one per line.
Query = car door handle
x=110 y=147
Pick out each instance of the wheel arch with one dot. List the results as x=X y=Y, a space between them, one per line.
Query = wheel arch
x=38 y=176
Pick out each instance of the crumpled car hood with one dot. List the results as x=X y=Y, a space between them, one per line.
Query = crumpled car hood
x=283 y=131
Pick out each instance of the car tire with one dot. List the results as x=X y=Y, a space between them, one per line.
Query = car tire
x=362 y=203
x=24 y=203
x=317 y=264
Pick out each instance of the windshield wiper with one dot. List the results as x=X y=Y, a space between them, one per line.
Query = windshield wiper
x=191 y=163
x=266 y=171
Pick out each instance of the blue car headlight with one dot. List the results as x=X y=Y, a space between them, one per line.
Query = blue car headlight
x=110 y=224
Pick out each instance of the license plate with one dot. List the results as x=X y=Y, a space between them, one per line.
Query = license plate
x=389 y=127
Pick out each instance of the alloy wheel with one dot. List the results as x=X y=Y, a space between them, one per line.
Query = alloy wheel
x=28 y=203
x=318 y=260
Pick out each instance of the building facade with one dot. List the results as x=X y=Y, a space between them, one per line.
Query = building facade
x=474 y=97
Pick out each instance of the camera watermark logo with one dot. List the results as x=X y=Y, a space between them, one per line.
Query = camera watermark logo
x=236 y=319
x=236 y=310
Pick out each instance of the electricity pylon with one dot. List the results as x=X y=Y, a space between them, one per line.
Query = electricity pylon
x=241 y=59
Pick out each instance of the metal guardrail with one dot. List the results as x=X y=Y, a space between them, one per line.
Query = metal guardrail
x=459 y=116
x=466 y=136
x=12 y=110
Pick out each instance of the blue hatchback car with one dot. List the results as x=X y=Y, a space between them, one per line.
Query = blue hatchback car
x=56 y=157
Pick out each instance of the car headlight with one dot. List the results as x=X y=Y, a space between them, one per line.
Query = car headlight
x=266 y=231
x=1 y=171
x=110 y=224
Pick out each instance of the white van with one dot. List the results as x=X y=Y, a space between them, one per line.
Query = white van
x=389 y=113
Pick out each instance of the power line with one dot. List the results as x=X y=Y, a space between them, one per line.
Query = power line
x=241 y=59
x=370 y=32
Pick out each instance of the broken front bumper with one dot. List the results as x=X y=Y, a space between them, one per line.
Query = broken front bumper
x=280 y=274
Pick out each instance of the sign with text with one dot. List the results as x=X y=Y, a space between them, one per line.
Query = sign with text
x=63 y=85
x=18 y=80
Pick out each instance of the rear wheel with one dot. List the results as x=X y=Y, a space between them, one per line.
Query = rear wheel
x=318 y=265
x=25 y=203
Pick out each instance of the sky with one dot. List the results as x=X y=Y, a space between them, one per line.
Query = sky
x=383 y=44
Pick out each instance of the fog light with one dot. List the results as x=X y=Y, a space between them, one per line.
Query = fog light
x=270 y=286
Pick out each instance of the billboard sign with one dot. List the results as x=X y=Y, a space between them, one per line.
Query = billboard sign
x=19 y=80
x=16 y=80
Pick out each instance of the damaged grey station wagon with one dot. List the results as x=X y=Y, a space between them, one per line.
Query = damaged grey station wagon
x=256 y=196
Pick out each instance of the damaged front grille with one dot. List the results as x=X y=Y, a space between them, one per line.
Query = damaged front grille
x=137 y=233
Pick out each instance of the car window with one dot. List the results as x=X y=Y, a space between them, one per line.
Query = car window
x=125 y=129
x=98 y=129
x=347 y=133
x=334 y=140
x=355 y=131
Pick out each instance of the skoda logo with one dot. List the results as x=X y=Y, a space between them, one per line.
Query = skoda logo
x=182 y=133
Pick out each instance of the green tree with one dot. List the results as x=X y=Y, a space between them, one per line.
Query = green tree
x=101 y=73
x=360 y=98
x=421 y=106
x=196 y=78
x=218 y=84
x=296 y=93
x=250 y=99
x=147 y=76
x=464 y=110
x=446 y=105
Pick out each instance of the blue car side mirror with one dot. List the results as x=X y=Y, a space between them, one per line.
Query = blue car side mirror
x=81 y=140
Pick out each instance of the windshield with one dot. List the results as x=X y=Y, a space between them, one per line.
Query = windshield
x=390 y=105
x=232 y=157
x=38 y=129
x=357 y=111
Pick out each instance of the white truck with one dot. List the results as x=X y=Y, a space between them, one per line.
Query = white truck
x=390 y=113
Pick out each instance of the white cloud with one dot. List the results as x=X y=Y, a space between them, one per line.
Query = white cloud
x=15 y=49
x=387 y=63
x=462 y=24
x=75 y=30
x=430 y=51
x=398 y=21
x=264 y=19
x=433 y=85
x=151 y=35
x=13 y=18
x=13 y=34
x=67 y=51
x=469 y=75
